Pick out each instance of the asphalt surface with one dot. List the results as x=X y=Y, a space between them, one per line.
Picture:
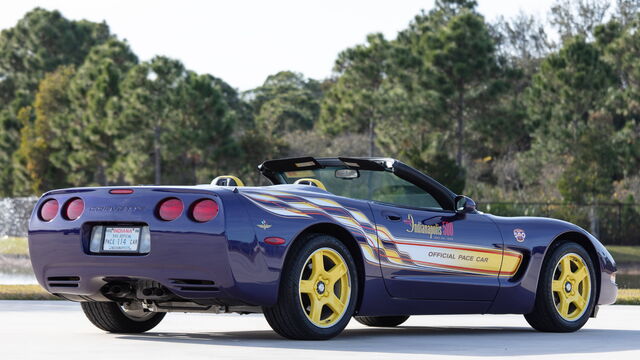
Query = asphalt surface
x=53 y=330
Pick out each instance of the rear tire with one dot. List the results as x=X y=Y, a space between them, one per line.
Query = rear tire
x=566 y=291
x=109 y=316
x=381 y=321
x=318 y=290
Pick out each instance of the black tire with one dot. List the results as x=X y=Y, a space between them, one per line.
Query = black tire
x=381 y=321
x=545 y=316
x=288 y=317
x=110 y=317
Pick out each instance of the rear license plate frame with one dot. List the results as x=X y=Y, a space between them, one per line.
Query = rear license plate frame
x=128 y=250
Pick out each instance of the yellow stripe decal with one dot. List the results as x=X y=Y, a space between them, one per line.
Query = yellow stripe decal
x=429 y=255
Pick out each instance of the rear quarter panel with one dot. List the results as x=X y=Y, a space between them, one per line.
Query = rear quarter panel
x=286 y=211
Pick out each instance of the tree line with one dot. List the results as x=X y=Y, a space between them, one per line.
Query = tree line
x=513 y=110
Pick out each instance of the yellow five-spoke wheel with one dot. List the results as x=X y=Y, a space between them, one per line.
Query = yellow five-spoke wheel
x=566 y=290
x=571 y=286
x=317 y=292
x=325 y=287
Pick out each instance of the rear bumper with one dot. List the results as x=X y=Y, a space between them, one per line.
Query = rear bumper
x=63 y=267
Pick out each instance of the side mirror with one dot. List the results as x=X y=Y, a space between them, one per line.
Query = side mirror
x=464 y=204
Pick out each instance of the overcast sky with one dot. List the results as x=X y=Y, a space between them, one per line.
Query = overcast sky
x=244 y=41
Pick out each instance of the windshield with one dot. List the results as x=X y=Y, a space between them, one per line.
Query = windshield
x=381 y=186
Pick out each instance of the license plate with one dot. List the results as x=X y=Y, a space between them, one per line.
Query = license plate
x=121 y=239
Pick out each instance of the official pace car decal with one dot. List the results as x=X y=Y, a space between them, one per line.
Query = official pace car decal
x=437 y=252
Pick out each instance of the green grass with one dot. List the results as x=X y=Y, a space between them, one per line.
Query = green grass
x=625 y=254
x=628 y=297
x=10 y=245
x=25 y=292
x=19 y=246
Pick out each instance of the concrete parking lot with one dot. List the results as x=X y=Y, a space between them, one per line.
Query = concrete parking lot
x=58 y=330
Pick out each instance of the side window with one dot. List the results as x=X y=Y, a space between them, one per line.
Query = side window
x=382 y=186
x=400 y=192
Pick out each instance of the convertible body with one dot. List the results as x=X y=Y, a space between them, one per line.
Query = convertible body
x=410 y=260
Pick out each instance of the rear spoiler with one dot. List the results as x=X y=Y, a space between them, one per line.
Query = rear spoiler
x=289 y=164
x=310 y=163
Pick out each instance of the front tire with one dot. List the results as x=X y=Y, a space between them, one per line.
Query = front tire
x=318 y=290
x=381 y=321
x=109 y=316
x=566 y=290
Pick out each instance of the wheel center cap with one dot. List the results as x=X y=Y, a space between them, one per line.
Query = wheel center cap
x=320 y=287
x=567 y=287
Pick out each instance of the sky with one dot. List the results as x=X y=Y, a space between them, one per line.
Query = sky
x=244 y=41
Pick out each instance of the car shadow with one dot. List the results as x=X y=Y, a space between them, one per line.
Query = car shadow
x=473 y=341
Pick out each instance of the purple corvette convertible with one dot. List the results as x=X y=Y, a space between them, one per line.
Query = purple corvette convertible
x=331 y=239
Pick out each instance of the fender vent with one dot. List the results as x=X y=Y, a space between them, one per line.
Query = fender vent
x=63 y=281
x=193 y=285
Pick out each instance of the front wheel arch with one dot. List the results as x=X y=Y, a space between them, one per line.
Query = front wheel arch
x=346 y=238
x=582 y=240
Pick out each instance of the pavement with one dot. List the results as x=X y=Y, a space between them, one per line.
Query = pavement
x=53 y=330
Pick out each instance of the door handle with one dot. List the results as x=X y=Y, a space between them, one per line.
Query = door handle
x=393 y=217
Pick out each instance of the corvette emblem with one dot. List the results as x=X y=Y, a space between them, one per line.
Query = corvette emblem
x=519 y=234
x=263 y=225
x=117 y=209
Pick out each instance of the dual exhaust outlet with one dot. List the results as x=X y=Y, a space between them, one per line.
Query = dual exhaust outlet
x=123 y=290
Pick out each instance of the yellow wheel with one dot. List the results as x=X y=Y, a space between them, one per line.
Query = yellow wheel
x=571 y=286
x=318 y=290
x=325 y=287
x=566 y=290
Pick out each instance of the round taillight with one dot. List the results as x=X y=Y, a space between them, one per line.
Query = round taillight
x=49 y=210
x=204 y=210
x=73 y=209
x=170 y=209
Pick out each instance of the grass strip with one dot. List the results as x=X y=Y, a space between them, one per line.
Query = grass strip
x=10 y=245
x=628 y=297
x=25 y=292
x=625 y=254
x=35 y=292
x=19 y=246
